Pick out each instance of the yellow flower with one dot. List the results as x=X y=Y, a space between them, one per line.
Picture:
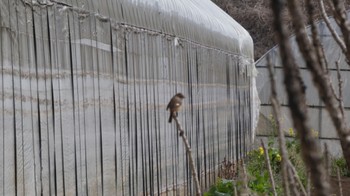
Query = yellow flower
x=261 y=150
x=278 y=158
x=291 y=132
x=314 y=133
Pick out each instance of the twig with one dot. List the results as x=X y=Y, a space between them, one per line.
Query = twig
x=319 y=50
x=296 y=177
x=268 y=164
x=337 y=97
x=335 y=35
x=245 y=176
x=189 y=154
x=342 y=46
x=315 y=38
x=308 y=185
x=281 y=138
x=326 y=161
x=235 y=189
x=340 y=87
x=291 y=180
x=339 y=183
x=343 y=23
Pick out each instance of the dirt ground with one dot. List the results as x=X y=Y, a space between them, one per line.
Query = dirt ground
x=345 y=182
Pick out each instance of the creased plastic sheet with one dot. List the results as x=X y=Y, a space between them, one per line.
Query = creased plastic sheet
x=84 y=87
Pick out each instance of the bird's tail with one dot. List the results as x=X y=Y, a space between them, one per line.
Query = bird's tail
x=170 y=118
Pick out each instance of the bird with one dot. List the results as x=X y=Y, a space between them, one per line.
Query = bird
x=174 y=105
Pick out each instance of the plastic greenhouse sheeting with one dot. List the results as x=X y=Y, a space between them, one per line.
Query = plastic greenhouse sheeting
x=84 y=87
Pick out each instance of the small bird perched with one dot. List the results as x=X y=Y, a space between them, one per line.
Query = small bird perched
x=175 y=105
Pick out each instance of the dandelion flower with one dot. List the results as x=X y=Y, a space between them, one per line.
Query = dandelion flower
x=291 y=132
x=278 y=158
x=314 y=133
x=261 y=150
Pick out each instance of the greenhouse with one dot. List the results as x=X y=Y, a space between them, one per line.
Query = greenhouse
x=85 y=85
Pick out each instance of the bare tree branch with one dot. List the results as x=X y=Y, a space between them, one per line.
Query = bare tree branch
x=339 y=182
x=308 y=186
x=296 y=96
x=340 y=87
x=320 y=79
x=341 y=19
x=235 y=189
x=335 y=35
x=326 y=160
x=292 y=183
x=315 y=38
x=244 y=190
x=296 y=177
x=320 y=52
x=281 y=138
x=268 y=164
